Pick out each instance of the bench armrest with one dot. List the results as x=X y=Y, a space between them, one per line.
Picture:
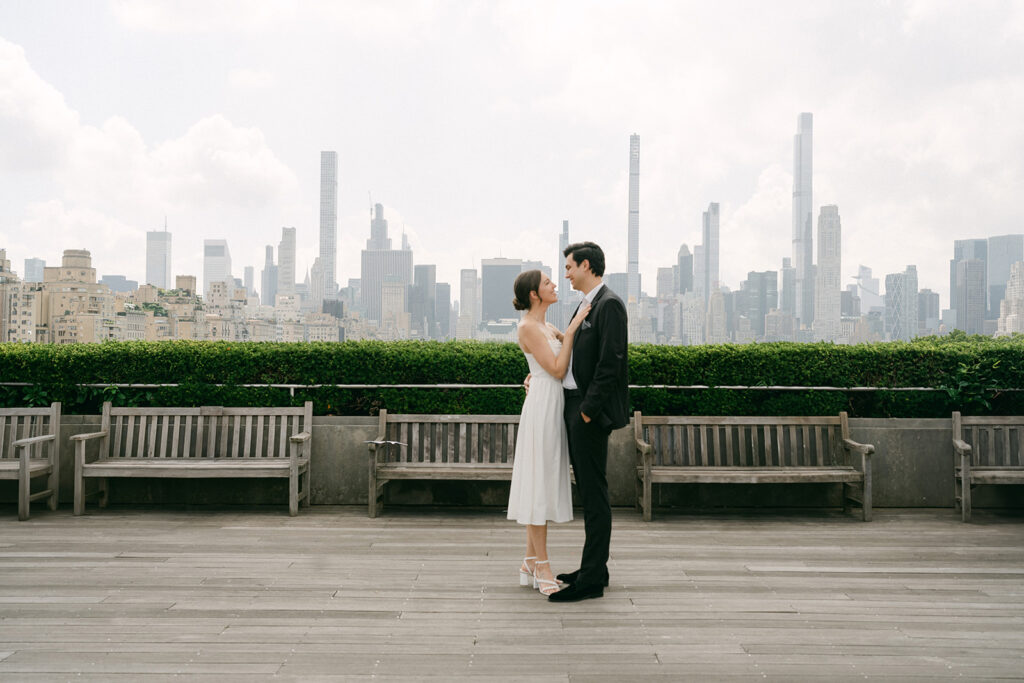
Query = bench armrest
x=644 y=453
x=89 y=436
x=301 y=437
x=862 y=448
x=961 y=447
x=23 y=443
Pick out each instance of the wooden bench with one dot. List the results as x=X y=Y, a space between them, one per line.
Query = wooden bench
x=457 y=447
x=208 y=442
x=750 y=450
x=986 y=450
x=29 y=449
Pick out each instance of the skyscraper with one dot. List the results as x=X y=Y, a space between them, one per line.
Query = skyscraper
x=216 y=264
x=761 y=295
x=699 y=267
x=633 y=269
x=498 y=275
x=827 y=322
x=684 y=264
x=34 y=269
x=803 y=219
x=787 y=276
x=1003 y=252
x=928 y=312
x=710 y=250
x=665 y=283
x=561 y=309
x=381 y=265
x=286 y=262
x=158 y=258
x=970 y=296
x=468 y=320
x=443 y=310
x=329 y=222
x=901 y=319
x=268 y=280
x=249 y=280
x=378 y=230
x=965 y=250
x=422 y=312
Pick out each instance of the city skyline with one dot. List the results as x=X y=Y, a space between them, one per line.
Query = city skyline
x=916 y=143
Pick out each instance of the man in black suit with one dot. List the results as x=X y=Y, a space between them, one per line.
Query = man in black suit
x=596 y=402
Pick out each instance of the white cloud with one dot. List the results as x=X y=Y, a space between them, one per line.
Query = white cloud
x=36 y=123
x=112 y=186
x=251 y=79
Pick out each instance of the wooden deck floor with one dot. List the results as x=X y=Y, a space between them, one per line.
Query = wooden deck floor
x=242 y=595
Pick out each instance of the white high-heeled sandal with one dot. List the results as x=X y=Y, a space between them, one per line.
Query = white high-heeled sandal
x=545 y=586
x=526 y=577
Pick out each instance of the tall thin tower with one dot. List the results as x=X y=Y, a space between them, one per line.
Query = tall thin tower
x=803 y=219
x=329 y=222
x=633 y=269
x=711 y=239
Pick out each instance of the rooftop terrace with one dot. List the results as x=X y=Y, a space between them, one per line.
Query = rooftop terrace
x=250 y=594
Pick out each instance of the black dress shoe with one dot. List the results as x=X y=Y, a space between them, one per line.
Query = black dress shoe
x=577 y=592
x=572 y=577
x=569 y=578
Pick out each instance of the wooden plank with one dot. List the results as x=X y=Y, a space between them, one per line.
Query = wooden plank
x=259 y=438
x=212 y=423
x=743 y=445
x=271 y=434
x=175 y=429
x=819 y=458
x=247 y=451
x=222 y=448
x=976 y=442
x=283 y=437
x=703 y=445
x=236 y=430
x=3 y=430
x=165 y=421
x=129 y=434
x=716 y=445
x=151 y=438
x=200 y=435
x=186 y=449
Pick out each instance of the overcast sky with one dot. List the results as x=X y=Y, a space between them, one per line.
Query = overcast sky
x=480 y=126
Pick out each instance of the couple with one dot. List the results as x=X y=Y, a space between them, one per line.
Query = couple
x=576 y=395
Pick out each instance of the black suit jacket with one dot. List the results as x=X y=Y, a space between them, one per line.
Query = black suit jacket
x=600 y=362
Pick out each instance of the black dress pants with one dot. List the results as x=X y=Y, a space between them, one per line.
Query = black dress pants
x=588 y=453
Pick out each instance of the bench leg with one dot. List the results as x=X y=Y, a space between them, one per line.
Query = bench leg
x=957 y=492
x=53 y=481
x=24 y=488
x=373 y=508
x=79 y=504
x=648 y=504
x=965 y=486
x=293 y=494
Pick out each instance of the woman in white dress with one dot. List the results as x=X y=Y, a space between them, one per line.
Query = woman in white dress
x=540 y=472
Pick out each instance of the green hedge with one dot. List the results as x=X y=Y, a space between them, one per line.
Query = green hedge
x=969 y=371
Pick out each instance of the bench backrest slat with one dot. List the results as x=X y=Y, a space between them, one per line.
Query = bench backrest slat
x=208 y=432
x=23 y=423
x=436 y=439
x=995 y=441
x=744 y=442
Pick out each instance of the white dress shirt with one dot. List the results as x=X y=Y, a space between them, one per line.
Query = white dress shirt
x=569 y=382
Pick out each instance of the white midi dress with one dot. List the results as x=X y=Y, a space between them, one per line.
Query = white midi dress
x=541 y=491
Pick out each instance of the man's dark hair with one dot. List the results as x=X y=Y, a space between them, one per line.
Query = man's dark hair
x=587 y=251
